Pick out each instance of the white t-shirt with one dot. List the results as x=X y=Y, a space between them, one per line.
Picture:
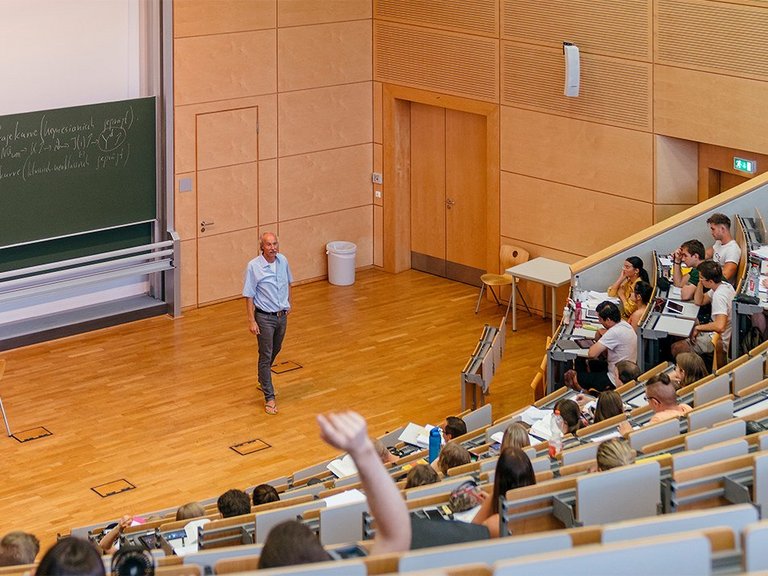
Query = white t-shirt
x=722 y=299
x=621 y=343
x=729 y=252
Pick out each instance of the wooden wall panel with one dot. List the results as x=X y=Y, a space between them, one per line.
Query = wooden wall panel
x=268 y=191
x=189 y=273
x=227 y=137
x=711 y=108
x=224 y=66
x=585 y=154
x=378 y=237
x=566 y=218
x=377 y=112
x=611 y=27
x=324 y=118
x=230 y=192
x=325 y=181
x=439 y=61
x=186 y=118
x=221 y=263
x=303 y=241
x=721 y=37
x=664 y=211
x=324 y=55
x=202 y=17
x=676 y=171
x=305 y=12
x=476 y=17
x=613 y=91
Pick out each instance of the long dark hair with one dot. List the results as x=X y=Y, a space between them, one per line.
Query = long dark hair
x=513 y=470
x=637 y=263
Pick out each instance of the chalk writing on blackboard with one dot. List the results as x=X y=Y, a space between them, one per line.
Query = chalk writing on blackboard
x=49 y=146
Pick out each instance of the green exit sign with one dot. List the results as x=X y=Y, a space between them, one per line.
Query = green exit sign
x=744 y=165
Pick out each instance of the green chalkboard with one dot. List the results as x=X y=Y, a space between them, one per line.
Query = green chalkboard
x=76 y=171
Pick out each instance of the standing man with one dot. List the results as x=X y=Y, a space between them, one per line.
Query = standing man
x=726 y=250
x=267 y=292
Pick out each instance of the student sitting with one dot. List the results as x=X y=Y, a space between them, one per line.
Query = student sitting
x=641 y=296
x=662 y=398
x=18 y=548
x=725 y=251
x=453 y=454
x=609 y=404
x=691 y=253
x=624 y=287
x=617 y=339
x=421 y=475
x=720 y=294
x=613 y=453
x=515 y=436
x=513 y=470
x=571 y=415
x=689 y=367
x=264 y=493
x=453 y=427
x=293 y=543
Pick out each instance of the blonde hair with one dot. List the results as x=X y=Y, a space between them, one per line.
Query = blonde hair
x=190 y=510
x=614 y=453
x=515 y=436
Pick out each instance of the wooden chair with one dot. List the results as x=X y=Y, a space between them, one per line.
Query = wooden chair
x=539 y=383
x=719 y=356
x=2 y=409
x=509 y=256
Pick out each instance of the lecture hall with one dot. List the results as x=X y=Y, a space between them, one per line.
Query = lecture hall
x=455 y=187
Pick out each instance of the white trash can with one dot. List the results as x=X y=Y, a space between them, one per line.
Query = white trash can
x=341 y=262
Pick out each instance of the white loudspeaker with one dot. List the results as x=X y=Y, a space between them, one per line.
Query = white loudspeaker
x=572 y=69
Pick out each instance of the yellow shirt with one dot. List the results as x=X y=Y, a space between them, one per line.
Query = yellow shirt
x=628 y=302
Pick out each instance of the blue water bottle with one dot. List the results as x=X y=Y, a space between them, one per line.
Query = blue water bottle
x=434 y=443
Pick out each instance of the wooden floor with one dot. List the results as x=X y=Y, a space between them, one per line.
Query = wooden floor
x=159 y=402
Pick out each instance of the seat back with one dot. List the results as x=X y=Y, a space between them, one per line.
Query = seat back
x=635 y=486
x=512 y=256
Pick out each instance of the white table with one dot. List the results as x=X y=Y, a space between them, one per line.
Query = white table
x=547 y=273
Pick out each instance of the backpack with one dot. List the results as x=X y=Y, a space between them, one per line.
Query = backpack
x=752 y=338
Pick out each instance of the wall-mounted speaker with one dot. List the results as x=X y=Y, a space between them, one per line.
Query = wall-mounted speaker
x=572 y=69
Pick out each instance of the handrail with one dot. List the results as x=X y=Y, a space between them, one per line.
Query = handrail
x=85 y=259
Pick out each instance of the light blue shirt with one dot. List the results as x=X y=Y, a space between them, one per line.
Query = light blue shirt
x=269 y=290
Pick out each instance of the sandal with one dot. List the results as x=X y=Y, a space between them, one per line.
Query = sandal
x=271 y=408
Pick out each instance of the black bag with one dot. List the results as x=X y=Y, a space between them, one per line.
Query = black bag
x=753 y=337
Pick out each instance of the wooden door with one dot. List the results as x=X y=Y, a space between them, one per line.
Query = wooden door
x=227 y=201
x=448 y=192
x=465 y=193
x=428 y=188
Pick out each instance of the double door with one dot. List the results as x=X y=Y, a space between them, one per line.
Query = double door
x=448 y=192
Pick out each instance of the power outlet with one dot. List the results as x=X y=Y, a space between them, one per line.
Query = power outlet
x=376 y=178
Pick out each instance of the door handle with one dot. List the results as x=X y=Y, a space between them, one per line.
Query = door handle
x=449 y=203
x=204 y=224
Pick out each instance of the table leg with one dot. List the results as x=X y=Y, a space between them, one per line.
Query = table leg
x=554 y=307
x=514 y=304
x=543 y=302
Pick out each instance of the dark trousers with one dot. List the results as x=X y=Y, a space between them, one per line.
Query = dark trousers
x=270 y=338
